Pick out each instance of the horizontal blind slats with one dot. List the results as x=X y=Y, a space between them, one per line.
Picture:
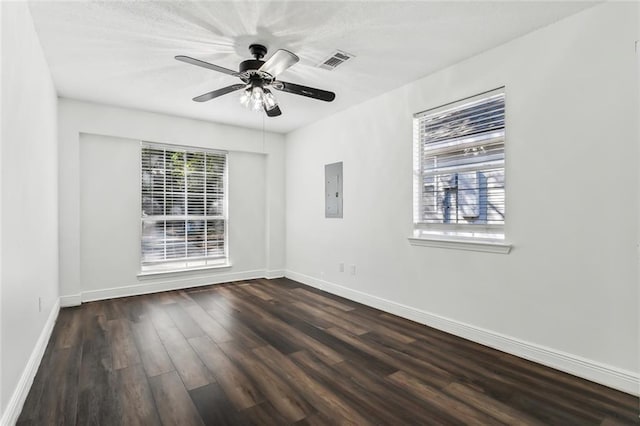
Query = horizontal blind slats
x=474 y=118
x=462 y=163
x=183 y=205
x=465 y=123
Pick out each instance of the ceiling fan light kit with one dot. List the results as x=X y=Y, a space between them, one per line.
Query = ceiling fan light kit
x=257 y=98
x=258 y=77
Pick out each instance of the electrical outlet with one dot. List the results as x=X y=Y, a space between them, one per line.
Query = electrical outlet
x=341 y=267
x=39 y=304
x=352 y=269
x=322 y=275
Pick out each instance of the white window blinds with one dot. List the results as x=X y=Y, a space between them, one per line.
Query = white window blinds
x=459 y=163
x=183 y=207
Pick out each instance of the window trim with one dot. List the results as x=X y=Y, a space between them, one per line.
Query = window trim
x=195 y=269
x=476 y=244
x=481 y=237
x=216 y=263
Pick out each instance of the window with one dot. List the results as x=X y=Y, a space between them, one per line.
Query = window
x=459 y=168
x=184 y=208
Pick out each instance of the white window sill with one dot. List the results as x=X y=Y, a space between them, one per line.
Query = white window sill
x=488 y=246
x=152 y=273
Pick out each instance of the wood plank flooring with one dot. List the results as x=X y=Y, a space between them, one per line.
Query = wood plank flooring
x=276 y=352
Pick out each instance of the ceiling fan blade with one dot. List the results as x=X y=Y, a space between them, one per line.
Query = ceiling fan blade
x=219 y=92
x=207 y=65
x=279 y=61
x=309 y=92
x=273 y=112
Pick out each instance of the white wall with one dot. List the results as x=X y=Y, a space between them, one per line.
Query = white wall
x=110 y=215
x=570 y=285
x=637 y=72
x=29 y=198
x=1 y=138
x=96 y=139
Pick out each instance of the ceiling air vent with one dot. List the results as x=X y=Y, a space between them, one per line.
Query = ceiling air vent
x=335 y=60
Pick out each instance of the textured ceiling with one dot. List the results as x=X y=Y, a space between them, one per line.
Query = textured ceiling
x=121 y=53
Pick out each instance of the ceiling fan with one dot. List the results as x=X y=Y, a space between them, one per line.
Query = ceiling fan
x=257 y=78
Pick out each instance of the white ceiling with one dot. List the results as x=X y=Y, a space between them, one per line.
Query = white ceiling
x=121 y=53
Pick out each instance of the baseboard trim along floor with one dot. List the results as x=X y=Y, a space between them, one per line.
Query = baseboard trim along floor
x=173 y=283
x=613 y=377
x=11 y=413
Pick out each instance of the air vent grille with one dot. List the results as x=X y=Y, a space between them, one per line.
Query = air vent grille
x=336 y=59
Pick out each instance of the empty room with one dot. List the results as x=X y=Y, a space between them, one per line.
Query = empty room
x=320 y=213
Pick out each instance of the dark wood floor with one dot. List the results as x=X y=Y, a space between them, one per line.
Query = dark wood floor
x=276 y=352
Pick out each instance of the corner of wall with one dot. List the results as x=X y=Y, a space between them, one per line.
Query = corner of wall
x=14 y=407
x=29 y=96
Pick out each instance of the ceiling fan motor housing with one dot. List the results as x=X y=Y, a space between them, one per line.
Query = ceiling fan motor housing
x=249 y=70
x=250 y=64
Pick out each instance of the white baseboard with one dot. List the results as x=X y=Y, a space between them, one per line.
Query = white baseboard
x=624 y=380
x=14 y=407
x=70 y=300
x=168 y=284
x=276 y=273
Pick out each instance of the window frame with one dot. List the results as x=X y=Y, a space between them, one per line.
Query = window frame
x=186 y=264
x=481 y=236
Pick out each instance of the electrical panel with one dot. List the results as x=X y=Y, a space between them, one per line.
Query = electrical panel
x=333 y=190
